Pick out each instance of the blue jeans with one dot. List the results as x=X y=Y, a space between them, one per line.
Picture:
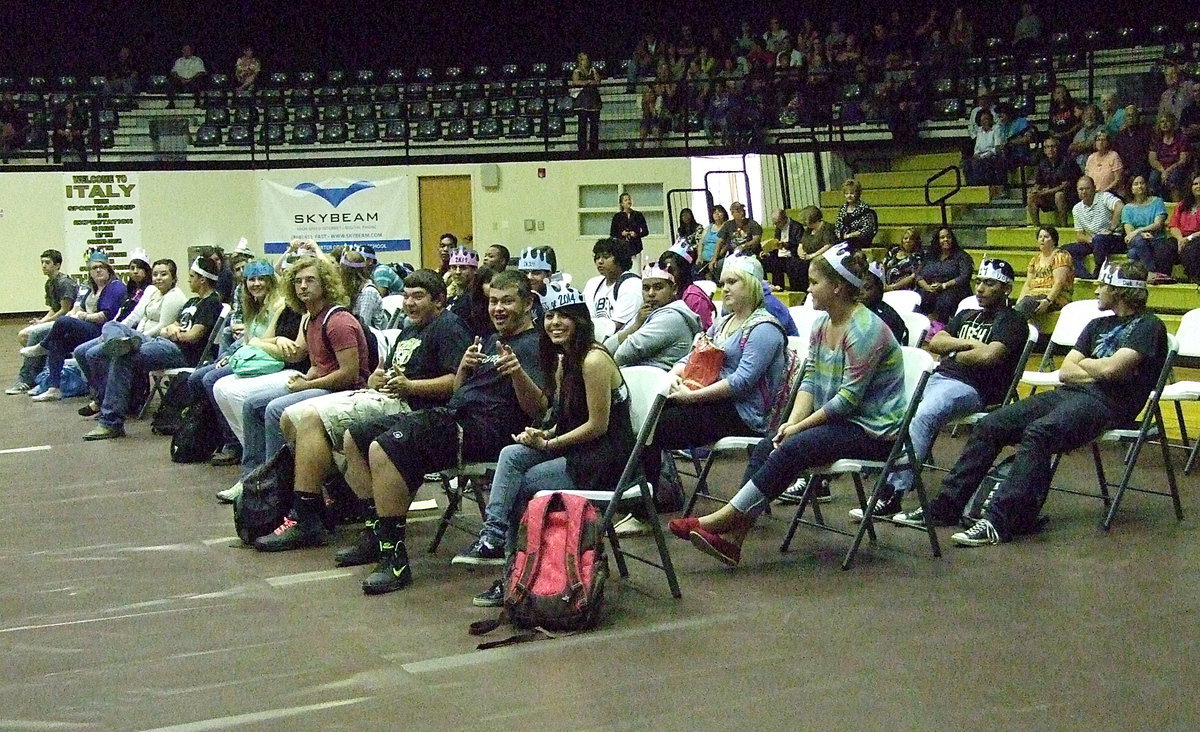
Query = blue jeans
x=260 y=422
x=200 y=386
x=154 y=353
x=945 y=399
x=1159 y=254
x=32 y=366
x=61 y=340
x=520 y=473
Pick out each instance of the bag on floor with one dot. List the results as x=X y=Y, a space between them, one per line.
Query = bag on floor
x=198 y=435
x=71 y=383
x=168 y=418
x=266 y=497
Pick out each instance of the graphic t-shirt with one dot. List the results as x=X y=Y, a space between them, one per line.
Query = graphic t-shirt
x=198 y=311
x=430 y=351
x=486 y=404
x=1103 y=337
x=618 y=302
x=1002 y=324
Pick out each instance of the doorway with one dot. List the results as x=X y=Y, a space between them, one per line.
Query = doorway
x=445 y=202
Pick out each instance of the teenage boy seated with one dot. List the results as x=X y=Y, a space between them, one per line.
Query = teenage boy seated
x=1106 y=379
x=662 y=332
x=979 y=350
x=418 y=373
x=498 y=391
x=611 y=294
x=61 y=291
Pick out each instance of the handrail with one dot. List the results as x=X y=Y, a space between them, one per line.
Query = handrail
x=745 y=178
x=785 y=185
x=941 y=201
x=671 y=219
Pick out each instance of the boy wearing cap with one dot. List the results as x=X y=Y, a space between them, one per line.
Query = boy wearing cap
x=979 y=350
x=662 y=332
x=131 y=352
x=1106 y=379
x=61 y=291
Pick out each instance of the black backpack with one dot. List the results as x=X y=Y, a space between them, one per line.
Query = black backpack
x=372 y=341
x=266 y=497
x=198 y=434
x=168 y=418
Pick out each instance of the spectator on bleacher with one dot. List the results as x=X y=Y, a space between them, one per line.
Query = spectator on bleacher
x=1016 y=135
x=246 y=70
x=1132 y=143
x=1170 y=159
x=585 y=87
x=1097 y=227
x=933 y=54
x=389 y=279
x=478 y=321
x=137 y=281
x=849 y=405
x=722 y=106
x=61 y=291
x=706 y=252
x=856 y=223
x=1185 y=229
x=1053 y=186
x=688 y=228
x=417 y=373
x=1064 y=116
x=69 y=126
x=985 y=101
x=755 y=350
x=1145 y=220
x=933 y=23
x=13 y=125
x=188 y=74
x=789 y=55
x=131 y=353
x=122 y=77
x=538 y=264
x=1084 y=142
x=629 y=226
x=944 y=278
x=686 y=43
x=816 y=238
x=1028 y=31
x=96 y=304
x=739 y=236
x=979 y=352
x=775 y=36
x=1179 y=94
x=835 y=39
x=446 y=243
x=662 y=331
x=497 y=257
x=901 y=103
x=961 y=34
x=872 y=297
x=678 y=261
x=985 y=166
x=224 y=266
x=1106 y=379
x=849 y=55
x=1104 y=166
x=463 y=264
x=1113 y=113
x=903 y=261
x=783 y=258
x=1049 y=280
x=611 y=293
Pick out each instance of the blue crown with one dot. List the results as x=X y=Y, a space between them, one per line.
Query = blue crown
x=560 y=295
x=534 y=260
x=258 y=268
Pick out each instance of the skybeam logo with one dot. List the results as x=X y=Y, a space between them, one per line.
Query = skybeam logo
x=335 y=196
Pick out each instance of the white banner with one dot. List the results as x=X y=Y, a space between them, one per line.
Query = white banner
x=336 y=212
x=102 y=211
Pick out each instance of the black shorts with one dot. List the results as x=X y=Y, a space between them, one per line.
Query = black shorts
x=421 y=442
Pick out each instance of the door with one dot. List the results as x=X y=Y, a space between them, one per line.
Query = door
x=445 y=207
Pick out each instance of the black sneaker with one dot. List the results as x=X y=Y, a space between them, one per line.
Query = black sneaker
x=885 y=509
x=494 y=597
x=365 y=551
x=794 y=492
x=392 y=573
x=228 y=455
x=916 y=519
x=981 y=534
x=481 y=552
x=822 y=494
x=293 y=534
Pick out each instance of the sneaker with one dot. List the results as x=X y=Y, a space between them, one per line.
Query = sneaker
x=19 y=387
x=493 y=597
x=117 y=347
x=916 y=519
x=885 y=508
x=228 y=455
x=981 y=534
x=633 y=526
x=795 y=491
x=33 y=351
x=364 y=551
x=36 y=389
x=293 y=534
x=392 y=573
x=104 y=432
x=53 y=394
x=480 y=553
x=230 y=494
x=91 y=409
x=715 y=546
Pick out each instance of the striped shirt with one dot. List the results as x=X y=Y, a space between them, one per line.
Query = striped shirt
x=1097 y=218
x=858 y=377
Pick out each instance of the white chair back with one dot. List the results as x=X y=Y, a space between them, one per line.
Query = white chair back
x=392 y=304
x=918 y=325
x=916 y=363
x=1073 y=318
x=1188 y=334
x=603 y=328
x=799 y=346
x=386 y=338
x=808 y=301
x=967 y=303
x=709 y=287
x=902 y=301
x=644 y=383
x=805 y=319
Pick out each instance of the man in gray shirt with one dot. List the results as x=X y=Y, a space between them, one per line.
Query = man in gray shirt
x=61 y=291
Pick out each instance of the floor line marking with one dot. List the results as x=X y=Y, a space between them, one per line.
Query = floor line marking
x=35 y=448
x=89 y=621
x=296 y=579
x=263 y=716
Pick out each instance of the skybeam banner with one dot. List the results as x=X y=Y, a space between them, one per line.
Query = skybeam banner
x=336 y=212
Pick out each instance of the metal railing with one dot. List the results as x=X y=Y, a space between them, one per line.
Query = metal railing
x=941 y=200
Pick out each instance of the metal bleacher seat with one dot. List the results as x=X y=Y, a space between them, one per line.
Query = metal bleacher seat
x=358 y=94
x=507 y=107
x=364 y=76
x=301 y=95
x=277 y=115
x=429 y=130
x=240 y=135
x=328 y=95
x=242 y=115
x=395 y=131
x=479 y=108
x=520 y=128
x=366 y=132
x=450 y=110
x=489 y=128
x=554 y=127
x=335 y=77
x=305 y=78
x=304 y=114
x=279 y=79
x=362 y=113
x=458 y=129
x=272 y=134
x=390 y=111
x=536 y=107
x=207 y=136
x=394 y=75
x=333 y=113
x=303 y=133
x=386 y=94
x=334 y=133
x=420 y=111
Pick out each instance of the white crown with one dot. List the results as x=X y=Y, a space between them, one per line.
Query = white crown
x=141 y=254
x=534 y=260
x=653 y=272
x=559 y=295
x=1110 y=275
x=243 y=247
x=464 y=257
x=746 y=263
x=683 y=249
x=876 y=268
x=992 y=269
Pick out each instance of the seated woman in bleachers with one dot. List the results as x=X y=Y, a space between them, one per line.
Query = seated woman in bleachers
x=678 y=261
x=365 y=300
x=137 y=282
x=944 y=278
x=985 y=167
x=856 y=222
x=736 y=402
x=158 y=308
x=97 y=304
x=850 y=405
x=1145 y=220
x=707 y=250
x=1104 y=166
x=902 y=262
x=1184 y=227
x=1170 y=158
x=1050 y=279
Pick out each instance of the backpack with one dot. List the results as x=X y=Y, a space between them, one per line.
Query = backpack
x=372 y=340
x=168 y=418
x=198 y=435
x=71 y=383
x=777 y=404
x=266 y=497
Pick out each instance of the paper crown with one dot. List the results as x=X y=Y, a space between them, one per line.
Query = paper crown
x=347 y=262
x=683 y=249
x=243 y=247
x=653 y=272
x=139 y=254
x=1110 y=275
x=464 y=257
x=876 y=268
x=834 y=255
x=198 y=269
x=95 y=255
x=258 y=268
x=533 y=260
x=745 y=263
x=996 y=269
x=559 y=295
x=368 y=252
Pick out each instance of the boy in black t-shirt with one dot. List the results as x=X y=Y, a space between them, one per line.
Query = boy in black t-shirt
x=1106 y=379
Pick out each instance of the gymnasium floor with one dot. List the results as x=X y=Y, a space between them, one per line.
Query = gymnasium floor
x=125 y=603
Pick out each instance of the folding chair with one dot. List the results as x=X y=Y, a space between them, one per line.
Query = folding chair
x=805 y=319
x=648 y=388
x=463 y=481
x=1188 y=335
x=1009 y=396
x=603 y=328
x=393 y=305
x=903 y=301
x=967 y=303
x=386 y=338
x=1150 y=428
x=159 y=378
x=918 y=365
x=918 y=326
x=1072 y=319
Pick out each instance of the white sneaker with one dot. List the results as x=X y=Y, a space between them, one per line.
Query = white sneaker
x=230 y=494
x=632 y=526
x=32 y=351
x=19 y=387
x=53 y=394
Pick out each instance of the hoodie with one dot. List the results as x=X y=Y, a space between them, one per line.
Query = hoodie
x=663 y=340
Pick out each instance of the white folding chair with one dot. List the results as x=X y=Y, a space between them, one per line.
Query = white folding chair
x=805 y=319
x=918 y=326
x=1072 y=319
x=603 y=328
x=159 y=378
x=709 y=287
x=903 y=301
x=648 y=388
x=918 y=365
x=1179 y=392
x=967 y=303
x=393 y=305
x=386 y=339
